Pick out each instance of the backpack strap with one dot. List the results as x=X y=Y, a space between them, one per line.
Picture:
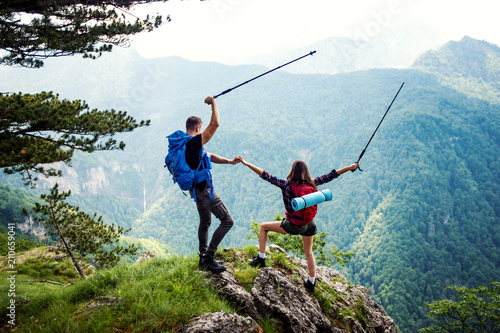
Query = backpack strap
x=297 y=215
x=204 y=174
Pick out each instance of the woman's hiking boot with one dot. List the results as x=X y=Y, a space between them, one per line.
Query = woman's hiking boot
x=258 y=262
x=207 y=263
x=309 y=285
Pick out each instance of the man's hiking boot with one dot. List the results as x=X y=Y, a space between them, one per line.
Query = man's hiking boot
x=309 y=285
x=207 y=263
x=258 y=262
x=200 y=262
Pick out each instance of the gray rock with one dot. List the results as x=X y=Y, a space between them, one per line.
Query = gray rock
x=222 y=322
x=228 y=286
x=354 y=325
x=146 y=255
x=60 y=256
x=277 y=294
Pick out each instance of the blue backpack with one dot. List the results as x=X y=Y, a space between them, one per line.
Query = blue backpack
x=181 y=172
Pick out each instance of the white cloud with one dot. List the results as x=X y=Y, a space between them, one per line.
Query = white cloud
x=231 y=31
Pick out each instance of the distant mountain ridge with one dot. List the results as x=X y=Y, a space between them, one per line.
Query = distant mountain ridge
x=468 y=58
x=362 y=50
x=334 y=55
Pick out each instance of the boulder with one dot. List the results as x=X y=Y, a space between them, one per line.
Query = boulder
x=146 y=255
x=227 y=285
x=281 y=296
x=222 y=322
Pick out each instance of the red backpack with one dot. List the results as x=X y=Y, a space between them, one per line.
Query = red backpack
x=306 y=215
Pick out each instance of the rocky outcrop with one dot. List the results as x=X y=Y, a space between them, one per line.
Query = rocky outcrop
x=227 y=285
x=32 y=227
x=278 y=292
x=146 y=255
x=222 y=322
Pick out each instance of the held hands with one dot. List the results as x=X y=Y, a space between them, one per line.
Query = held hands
x=243 y=161
x=236 y=160
x=254 y=168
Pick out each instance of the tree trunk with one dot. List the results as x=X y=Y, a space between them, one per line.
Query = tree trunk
x=77 y=265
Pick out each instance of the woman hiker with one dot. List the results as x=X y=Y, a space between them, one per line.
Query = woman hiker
x=299 y=174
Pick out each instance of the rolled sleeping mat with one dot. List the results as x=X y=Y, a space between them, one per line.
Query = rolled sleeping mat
x=311 y=199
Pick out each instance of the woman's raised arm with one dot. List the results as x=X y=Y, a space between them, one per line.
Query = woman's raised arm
x=254 y=168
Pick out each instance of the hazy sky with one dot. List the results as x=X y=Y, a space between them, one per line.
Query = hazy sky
x=234 y=31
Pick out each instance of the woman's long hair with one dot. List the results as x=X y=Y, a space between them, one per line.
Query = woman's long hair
x=300 y=174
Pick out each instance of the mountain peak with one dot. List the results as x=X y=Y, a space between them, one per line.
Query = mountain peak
x=467 y=58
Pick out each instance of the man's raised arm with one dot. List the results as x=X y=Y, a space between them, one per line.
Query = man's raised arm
x=209 y=132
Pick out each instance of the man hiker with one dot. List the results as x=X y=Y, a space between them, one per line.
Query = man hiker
x=207 y=201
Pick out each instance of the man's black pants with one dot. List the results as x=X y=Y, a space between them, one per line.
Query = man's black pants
x=206 y=208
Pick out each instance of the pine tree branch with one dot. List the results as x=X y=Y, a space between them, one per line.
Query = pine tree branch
x=30 y=6
x=62 y=28
x=47 y=281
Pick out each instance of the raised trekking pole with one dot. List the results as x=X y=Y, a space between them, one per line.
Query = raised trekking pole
x=363 y=152
x=272 y=70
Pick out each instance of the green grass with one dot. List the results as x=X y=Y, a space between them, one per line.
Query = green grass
x=237 y=261
x=157 y=296
x=47 y=269
x=360 y=312
x=270 y=325
x=327 y=296
x=246 y=276
x=281 y=260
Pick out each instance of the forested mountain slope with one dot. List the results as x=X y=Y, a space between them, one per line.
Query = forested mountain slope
x=437 y=224
x=422 y=215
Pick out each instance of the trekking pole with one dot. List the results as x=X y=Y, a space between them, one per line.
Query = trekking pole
x=272 y=70
x=363 y=152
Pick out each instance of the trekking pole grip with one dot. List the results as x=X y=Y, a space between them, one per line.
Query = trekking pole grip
x=359 y=159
